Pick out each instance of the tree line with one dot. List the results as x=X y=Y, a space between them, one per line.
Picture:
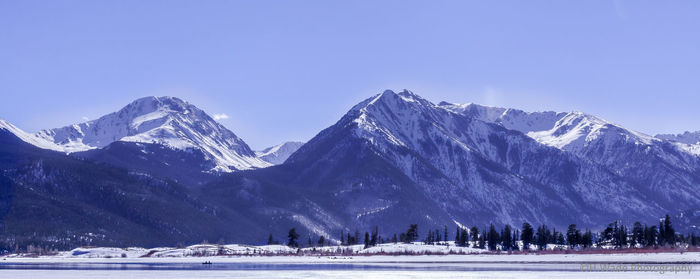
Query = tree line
x=509 y=238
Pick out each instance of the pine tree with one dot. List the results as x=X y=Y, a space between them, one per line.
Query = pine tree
x=342 y=238
x=412 y=233
x=475 y=235
x=557 y=237
x=560 y=239
x=661 y=239
x=622 y=236
x=482 y=241
x=457 y=237
x=356 y=240
x=587 y=239
x=670 y=233
x=375 y=235
x=616 y=236
x=367 y=241
x=647 y=242
x=321 y=241
x=492 y=238
x=526 y=235
x=463 y=238
x=293 y=236
x=446 y=236
x=542 y=237
x=637 y=234
x=270 y=240
x=502 y=241
x=573 y=236
x=652 y=236
x=394 y=239
x=506 y=238
x=608 y=233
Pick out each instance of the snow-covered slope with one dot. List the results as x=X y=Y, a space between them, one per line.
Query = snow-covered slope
x=665 y=166
x=167 y=121
x=30 y=138
x=279 y=153
x=688 y=141
x=513 y=119
x=576 y=130
x=571 y=131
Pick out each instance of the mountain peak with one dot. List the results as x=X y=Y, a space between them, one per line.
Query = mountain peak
x=150 y=104
x=162 y=101
x=403 y=98
x=167 y=121
x=279 y=153
x=406 y=93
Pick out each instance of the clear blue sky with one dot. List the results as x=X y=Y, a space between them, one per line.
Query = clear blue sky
x=284 y=70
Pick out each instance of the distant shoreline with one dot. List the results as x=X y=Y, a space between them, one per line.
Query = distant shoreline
x=608 y=258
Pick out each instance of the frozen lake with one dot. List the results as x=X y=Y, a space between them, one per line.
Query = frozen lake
x=143 y=269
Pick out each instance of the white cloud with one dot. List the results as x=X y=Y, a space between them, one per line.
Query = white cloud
x=85 y=118
x=220 y=116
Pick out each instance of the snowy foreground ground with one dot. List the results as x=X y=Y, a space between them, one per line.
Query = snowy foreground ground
x=276 y=261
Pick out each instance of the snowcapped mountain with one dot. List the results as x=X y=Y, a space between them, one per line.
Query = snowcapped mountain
x=166 y=121
x=660 y=165
x=279 y=153
x=396 y=151
x=392 y=159
x=582 y=134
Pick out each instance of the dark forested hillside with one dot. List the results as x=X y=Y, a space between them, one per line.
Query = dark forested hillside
x=54 y=200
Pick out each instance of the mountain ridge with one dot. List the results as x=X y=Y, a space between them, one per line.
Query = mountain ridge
x=396 y=158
